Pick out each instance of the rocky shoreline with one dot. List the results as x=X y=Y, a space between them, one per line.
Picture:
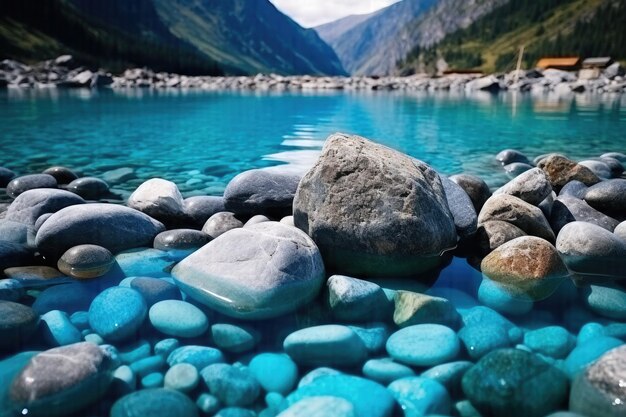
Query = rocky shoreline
x=60 y=73
x=330 y=294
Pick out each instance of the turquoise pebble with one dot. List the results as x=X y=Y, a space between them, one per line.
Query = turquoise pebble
x=148 y=365
x=208 y=404
x=166 y=346
x=144 y=263
x=321 y=406
x=182 y=377
x=233 y=338
x=276 y=402
x=11 y=290
x=275 y=372
x=588 y=352
x=117 y=313
x=235 y=412
x=69 y=298
x=80 y=319
x=155 y=289
x=607 y=301
x=135 y=351
x=157 y=402
x=424 y=345
x=316 y=373
x=126 y=282
x=420 y=396
x=373 y=336
x=94 y=338
x=368 y=398
x=231 y=385
x=198 y=356
x=326 y=345
x=178 y=318
x=554 y=341
x=58 y=329
x=153 y=380
x=497 y=297
x=384 y=371
x=126 y=375
x=589 y=331
x=616 y=330
x=449 y=375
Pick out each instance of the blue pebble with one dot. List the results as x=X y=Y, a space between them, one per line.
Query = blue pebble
x=94 y=338
x=587 y=353
x=182 y=377
x=117 y=313
x=325 y=345
x=322 y=406
x=80 y=319
x=420 y=396
x=135 y=351
x=198 y=356
x=157 y=402
x=126 y=376
x=235 y=412
x=497 y=297
x=233 y=338
x=316 y=373
x=126 y=282
x=68 y=298
x=166 y=346
x=275 y=372
x=148 y=365
x=385 y=371
x=276 y=402
x=59 y=330
x=231 y=385
x=11 y=290
x=553 y=341
x=155 y=290
x=153 y=380
x=208 y=404
x=178 y=318
x=145 y=263
x=589 y=331
x=373 y=336
x=449 y=375
x=424 y=345
x=368 y=398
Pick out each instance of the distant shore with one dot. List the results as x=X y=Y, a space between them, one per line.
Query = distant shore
x=58 y=73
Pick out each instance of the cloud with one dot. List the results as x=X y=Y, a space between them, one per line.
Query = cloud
x=310 y=13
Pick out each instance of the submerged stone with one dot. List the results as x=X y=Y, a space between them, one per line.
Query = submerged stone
x=117 y=313
x=424 y=345
x=17 y=324
x=154 y=402
x=86 y=261
x=327 y=345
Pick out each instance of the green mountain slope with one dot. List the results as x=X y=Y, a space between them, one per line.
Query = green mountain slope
x=34 y=30
x=545 y=28
x=251 y=35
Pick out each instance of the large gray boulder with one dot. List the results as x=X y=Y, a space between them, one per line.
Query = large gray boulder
x=258 y=272
x=114 y=227
x=373 y=211
x=31 y=204
x=261 y=192
x=590 y=250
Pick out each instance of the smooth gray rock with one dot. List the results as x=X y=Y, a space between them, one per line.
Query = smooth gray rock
x=532 y=186
x=599 y=390
x=89 y=188
x=620 y=231
x=29 y=182
x=114 y=227
x=6 y=175
x=355 y=300
x=260 y=191
x=259 y=218
x=32 y=204
x=200 y=208
x=17 y=324
x=41 y=219
x=495 y=233
x=606 y=300
x=617 y=155
x=569 y=209
x=616 y=167
x=160 y=199
x=220 y=223
x=231 y=385
x=461 y=207
x=181 y=239
x=574 y=189
x=477 y=189
x=16 y=232
x=546 y=204
x=601 y=169
x=119 y=175
x=374 y=211
x=588 y=249
x=259 y=272
x=519 y=213
x=15 y=254
x=516 y=169
x=63 y=175
x=63 y=380
x=86 y=261
x=509 y=156
x=609 y=197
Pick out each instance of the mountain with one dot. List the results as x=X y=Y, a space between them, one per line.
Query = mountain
x=331 y=32
x=251 y=35
x=546 y=28
x=34 y=30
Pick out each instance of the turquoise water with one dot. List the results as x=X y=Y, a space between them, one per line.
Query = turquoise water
x=201 y=140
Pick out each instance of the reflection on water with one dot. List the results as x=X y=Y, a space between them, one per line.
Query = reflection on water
x=185 y=135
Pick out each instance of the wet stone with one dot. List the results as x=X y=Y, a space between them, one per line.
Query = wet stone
x=86 y=261
x=89 y=188
x=29 y=182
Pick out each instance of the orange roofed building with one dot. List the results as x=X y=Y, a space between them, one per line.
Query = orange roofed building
x=566 y=64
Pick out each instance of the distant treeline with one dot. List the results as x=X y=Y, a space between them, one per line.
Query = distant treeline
x=547 y=28
x=61 y=28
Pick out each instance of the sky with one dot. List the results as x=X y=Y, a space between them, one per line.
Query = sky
x=309 y=13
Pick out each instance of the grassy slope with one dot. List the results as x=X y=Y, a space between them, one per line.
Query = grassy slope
x=478 y=48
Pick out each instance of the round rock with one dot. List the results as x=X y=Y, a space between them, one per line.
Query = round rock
x=182 y=377
x=275 y=372
x=155 y=290
x=553 y=341
x=234 y=338
x=374 y=211
x=231 y=385
x=495 y=233
x=63 y=175
x=561 y=170
x=509 y=156
x=608 y=197
x=477 y=189
x=320 y=407
x=413 y=308
x=220 y=223
x=326 y=345
x=86 y=261
x=154 y=402
x=420 y=396
x=89 y=188
x=178 y=319
x=532 y=187
x=30 y=205
x=117 y=313
x=355 y=300
x=181 y=239
x=17 y=324
x=6 y=175
x=200 y=208
x=424 y=345
x=160 y=199
x=259 y=272
x=28 y=182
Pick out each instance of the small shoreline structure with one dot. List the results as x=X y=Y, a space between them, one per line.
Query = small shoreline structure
x=59 y=73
